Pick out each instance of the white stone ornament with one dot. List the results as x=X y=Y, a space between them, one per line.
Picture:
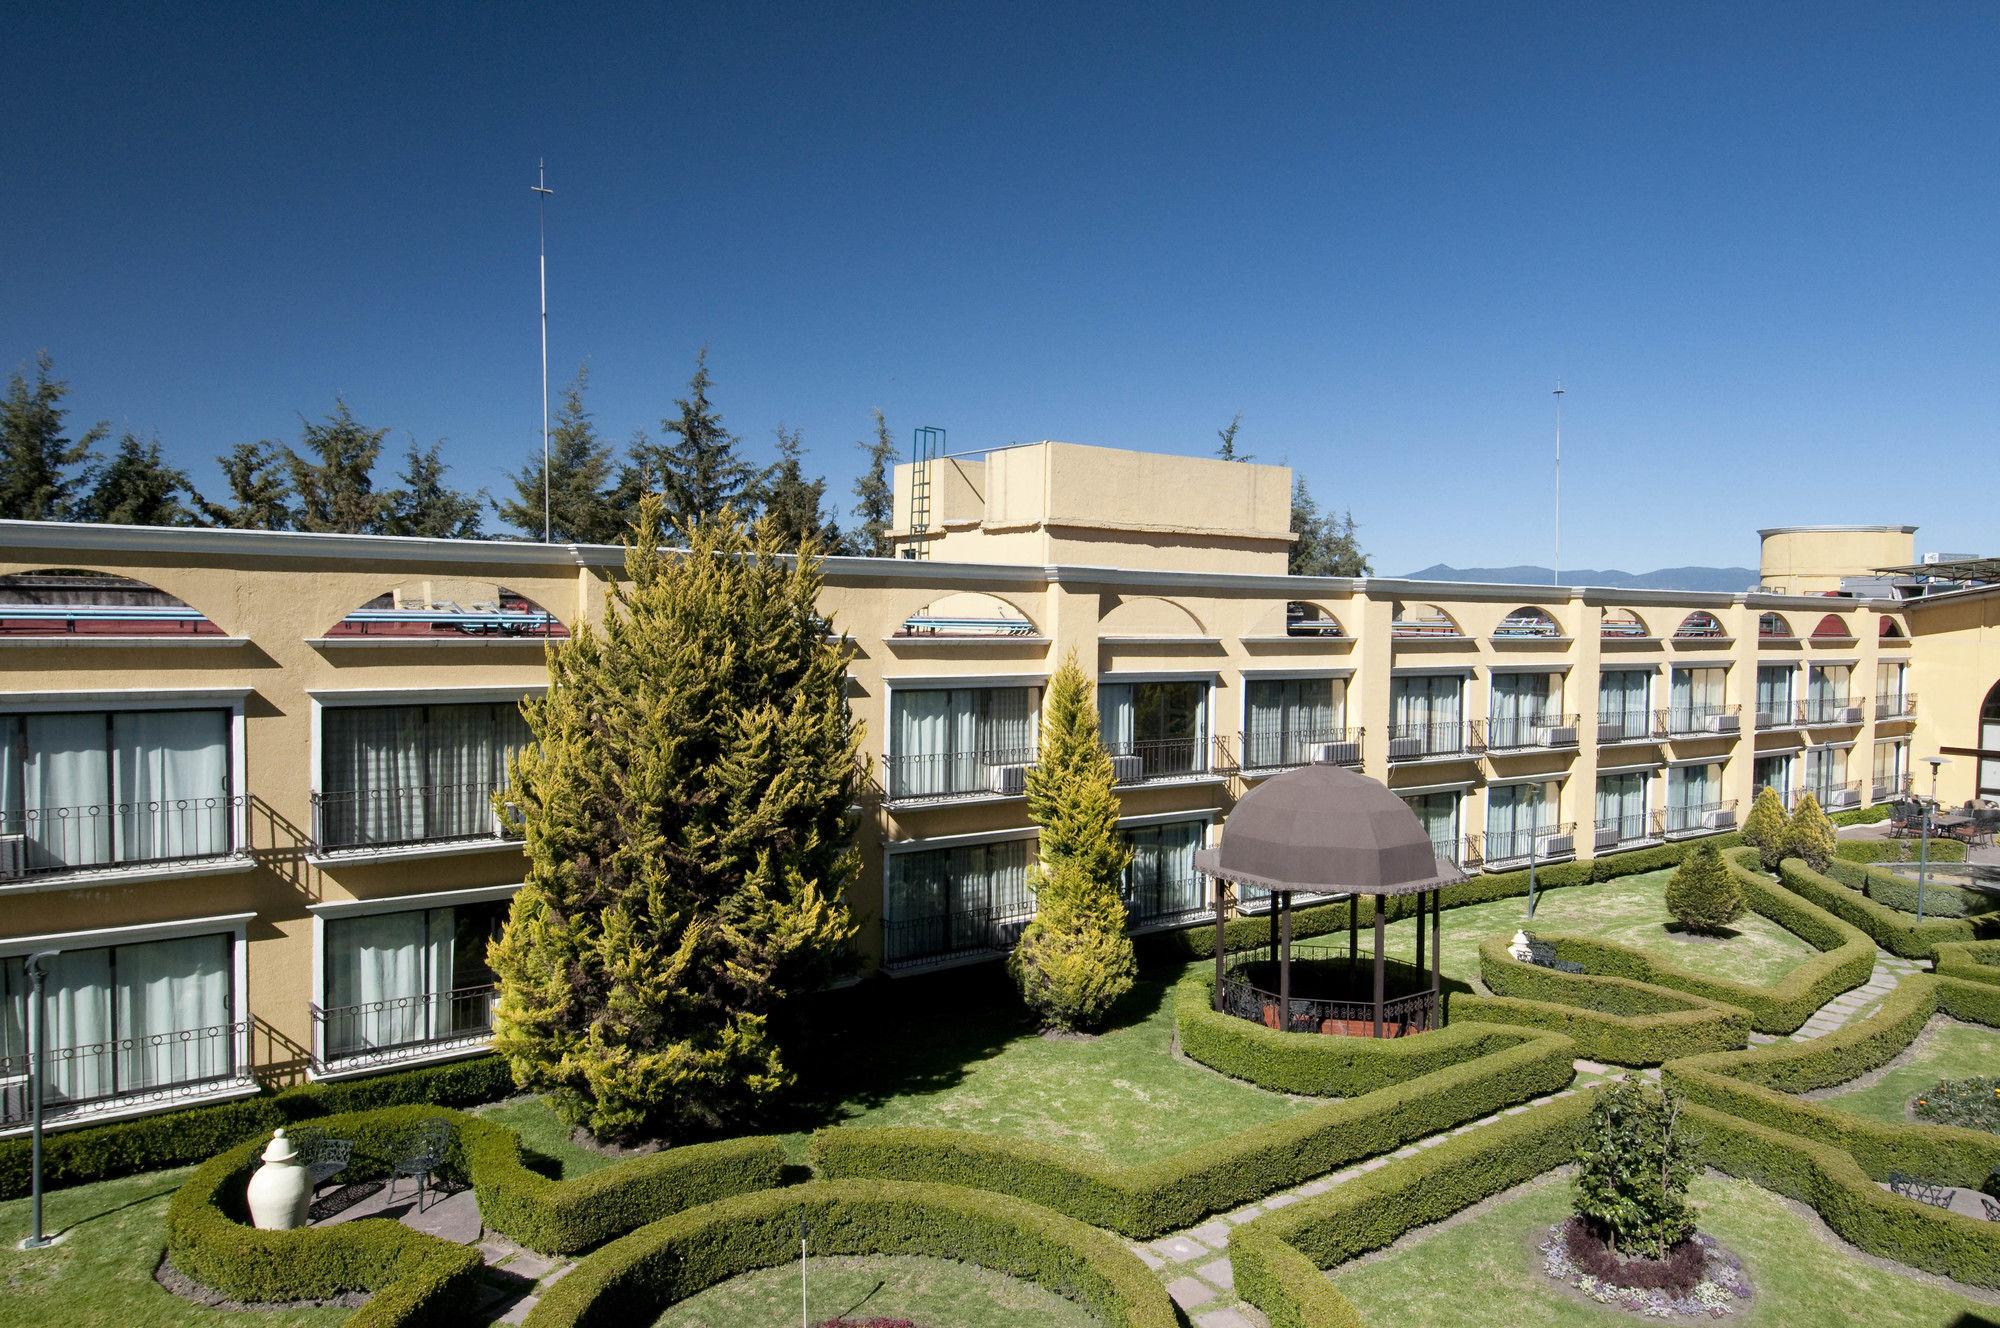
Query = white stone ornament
x=1519 y=949
x=278 y=1195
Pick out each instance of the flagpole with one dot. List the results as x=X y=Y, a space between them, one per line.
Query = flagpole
x=542 y=196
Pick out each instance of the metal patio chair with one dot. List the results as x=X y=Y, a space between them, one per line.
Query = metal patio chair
x=324 y=1156
x=424 y=1151
x=1937 y=1196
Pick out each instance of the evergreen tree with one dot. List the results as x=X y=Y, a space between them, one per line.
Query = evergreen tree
x=1810 y=835
x=1633 y=1169
x=136 y=487
x=42 y=469
x=1074 y=959
x=335 y=487
x=792 y=502
x=875 y=498
x=1326 y=545
x=701 y=473
x=582 y=509
x=259 y=498
x=684 y=802
x=1227 y=451
x=1702 y=894
x=1765 y=828
x=426 y=505
x=639 y=474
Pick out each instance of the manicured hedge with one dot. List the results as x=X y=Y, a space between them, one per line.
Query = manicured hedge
x=1152 y=1198
x=1941 y=899
x=631 y=1280
x=1974 y=961
x=176 y=1138
x=1898 y=933
x=1314 y=1066
x=1861 y=815
x=1897 y=850
x=1278 y=1258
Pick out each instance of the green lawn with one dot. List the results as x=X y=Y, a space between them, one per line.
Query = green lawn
x=1487 y=1271
x=1630 y=910
x=101 y=1275
x=937 y=1293
x=545 y=1138
x=1946 y=1050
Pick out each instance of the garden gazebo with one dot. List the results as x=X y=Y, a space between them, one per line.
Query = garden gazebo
x=1322 y=830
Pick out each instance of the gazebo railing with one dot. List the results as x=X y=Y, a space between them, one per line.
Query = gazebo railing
x=1415 y=1012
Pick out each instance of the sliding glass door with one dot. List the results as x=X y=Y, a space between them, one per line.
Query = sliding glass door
x=1285 y=718
x=412 y=774
x=1162 y=882
x=955 y=900
x=404 y=979
x=947 y=740
x=1164 y=724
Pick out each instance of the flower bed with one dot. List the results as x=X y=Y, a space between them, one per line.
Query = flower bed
x=1972 y=1104
x=1699 y=1279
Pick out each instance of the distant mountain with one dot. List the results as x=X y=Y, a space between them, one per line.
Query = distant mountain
x=1666 y=578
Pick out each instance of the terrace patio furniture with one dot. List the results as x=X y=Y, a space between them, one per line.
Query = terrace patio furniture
x=324 y=1156
x=1937 y=1196
x=424 y=1151
x=1992 y=1209
x=1543 y=955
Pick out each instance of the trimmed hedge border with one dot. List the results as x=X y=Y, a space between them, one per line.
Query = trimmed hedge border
x=1897 y=850
x=1170 y=1193
x=1278 y=1258
x=1941 y=899
x=1971 y=961
x=632 y=1279
x=1896 y=932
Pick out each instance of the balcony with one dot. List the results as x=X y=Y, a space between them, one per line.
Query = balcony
x=424 y=1026
x=939 y=940
x=1695 y=818
x=1622 y=726
x=1836 y=797
x=1504 y=850
x=1519 y=733
x=934 y=777
x=1264 y=753
x=1622 y=832
x=1164 y=760
x=124 y=1076
x=1896 y=707
x=46 y=843
x=1775 y=714
x=1832 y=711
x=1172 y=902
x=370 y=820
x=1459 y=740
x=1888 y=790
x=1698 y=721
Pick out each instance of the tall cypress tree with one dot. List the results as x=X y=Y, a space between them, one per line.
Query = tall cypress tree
x=700 y=471
x=426 y=505
x=42 y=469
x=137 y=487
x=792 y=502
x=581 y=507
x=685 y=807
x=259 y=492
x=1074 y=959
x=334 y=484
x=875 y=499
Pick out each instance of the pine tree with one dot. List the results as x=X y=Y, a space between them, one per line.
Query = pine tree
x=260 y=498
x=1227 y=451
x=42 y=469
x=792 y=502
x=875 y=499
x=136 y=487
x=426 y=505
x=1810 y=835
x=701 y=473
x=684 y=803
x=1765 y=828
x=1325 y=545
x=1701 y=894
x=1074 y=959
x=335 y=486
x=582 y=509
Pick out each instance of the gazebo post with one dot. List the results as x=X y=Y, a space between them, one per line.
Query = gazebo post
x=1437 y=955
x=1380 y=928
x=1353 y=931
x=1274 y=926
x=1420 y=931
x=1221 y=921
x=1285 y=967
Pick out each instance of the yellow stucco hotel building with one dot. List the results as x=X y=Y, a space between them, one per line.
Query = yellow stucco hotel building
x=245 y=778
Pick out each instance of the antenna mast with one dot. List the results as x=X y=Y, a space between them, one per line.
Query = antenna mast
x=1557 y=569
x=542 y=196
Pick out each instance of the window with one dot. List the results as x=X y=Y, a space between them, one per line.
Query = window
x=1426 y=715
x=947 y=740
x=1438 y=812
x=1695 y=697
x=412 y=774
x=1693 y=791
x=1621 y=805
x=398 y=980
x=1517 y=817
x=1826 y=694
x=1826 y=772
x=125 y=1019
x=953 y=900
x=1162 y=882
x=1891 y=688
x=1891 y=769
x=1774 y=696
x=1523 y=704
x=1775 y=773
x=1164 y=724
x=1285 y=718
x=1622 y=702
x=103 y=788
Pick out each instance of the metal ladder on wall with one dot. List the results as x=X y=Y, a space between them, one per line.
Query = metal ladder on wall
x=926 y=447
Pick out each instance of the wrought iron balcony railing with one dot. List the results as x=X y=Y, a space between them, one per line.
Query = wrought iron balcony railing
x=1696 y=818
x=85 y=1079
x=1297 y=747
x=1775 y=714
x=402 y=817
x=1886 y=790
x=1698 y=721
x=1154 y=759
x=1838 y=710
x=1436 y=741
x=1835 y=797
x=1624 y=724
x=1497 y=848
x=1896 y=707
x=1526 y=732
x=1617 y=832
x=1168 y=901
x=402 y=1028
x=938 y=938
x=945 y=776
x=44 y=841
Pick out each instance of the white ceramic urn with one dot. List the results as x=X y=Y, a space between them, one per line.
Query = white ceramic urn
x=278 y=1195
x=1519 y=949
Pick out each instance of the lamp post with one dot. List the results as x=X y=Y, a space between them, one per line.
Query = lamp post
x=1924 y=847
x=37 y=1056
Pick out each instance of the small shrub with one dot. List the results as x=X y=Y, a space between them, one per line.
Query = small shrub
x=1767 y=829
x=1971 y=1103
x=1702 y=894
x=1633 y=1169
x=1810 y=835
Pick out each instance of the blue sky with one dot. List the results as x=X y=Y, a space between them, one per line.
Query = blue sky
x=1756 y=242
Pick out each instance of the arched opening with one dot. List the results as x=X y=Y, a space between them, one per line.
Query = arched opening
x=1149 y=615
x=1833 y=627
x=1622 y=625
x=1889 y=629
x=1528 y=623
x=1423 y=622
x=1701 y=625
x=1303 y=618
x=1773 y=627
x=449 y=608
x=967 y=614
x=76 y=602
x=1989 y=744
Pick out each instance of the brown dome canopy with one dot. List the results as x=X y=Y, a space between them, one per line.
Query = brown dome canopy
x=1321 y=829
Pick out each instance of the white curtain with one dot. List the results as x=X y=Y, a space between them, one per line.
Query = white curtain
x=1774 y=772
x=1426 y=700
x=1697 y=692
x=1621 y=696
x=77 y=1005
x=1774 y=693
x=944 y=739
x=1692 y=785
x=1621 y=802
x=1161 y=879
x=170 y=987
x=1438 y=813
x=171 y=781
x=1826 y=770
x=1285 y=716
x=459 y=769
x=1890 y=680
x=66 y=790
x=1521 y=702
x=1514 y=813
x=1117 y=723
x=373 y=775
x=1890 y=759
x=379 y=957
x=1826 y=685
